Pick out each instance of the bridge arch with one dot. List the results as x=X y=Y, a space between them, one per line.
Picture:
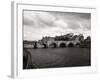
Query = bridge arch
x=62 y=44
x=70 y=44
x=53 y=45
x=45 y=46
x=77 y=44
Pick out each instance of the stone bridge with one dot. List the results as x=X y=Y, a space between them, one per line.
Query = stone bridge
x=53 y=44
x=61 y=43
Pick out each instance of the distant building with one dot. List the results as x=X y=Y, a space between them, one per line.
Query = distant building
x=47 y=38
x=79 y=37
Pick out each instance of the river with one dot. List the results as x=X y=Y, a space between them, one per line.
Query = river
x=59 y=57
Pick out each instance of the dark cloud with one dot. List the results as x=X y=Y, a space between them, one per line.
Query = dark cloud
x=85 y=16
x=73 y=15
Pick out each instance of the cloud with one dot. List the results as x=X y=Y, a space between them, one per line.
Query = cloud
x=38 y=19
x=41 y=23
x=60 y=23
x=73 y=25
x=85 y=24
x=85 y=16
x=87 y=27
x=46 y=18
x=28 y=20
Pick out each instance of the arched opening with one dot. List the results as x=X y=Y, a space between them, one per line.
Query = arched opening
x=70 y=45
x=53 y=45
x=77 y=44
x=62 y=45
x=45 y=46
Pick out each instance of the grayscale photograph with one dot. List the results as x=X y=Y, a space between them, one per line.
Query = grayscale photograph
x=56 y=39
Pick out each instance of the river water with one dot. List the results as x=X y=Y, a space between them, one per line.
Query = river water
x=60 y=57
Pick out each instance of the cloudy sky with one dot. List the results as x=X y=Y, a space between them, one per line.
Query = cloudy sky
x=41 y=23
